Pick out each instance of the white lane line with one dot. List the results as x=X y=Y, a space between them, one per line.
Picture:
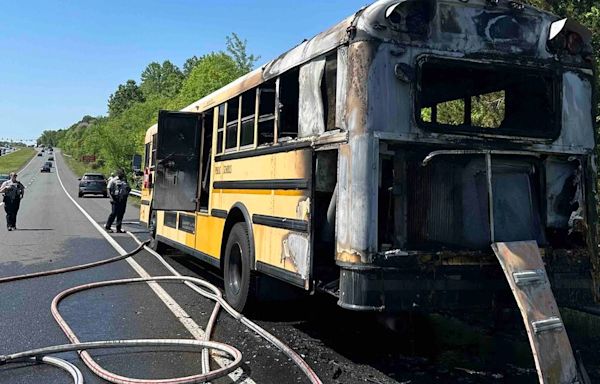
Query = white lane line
x=220 y=360
x=173 y=306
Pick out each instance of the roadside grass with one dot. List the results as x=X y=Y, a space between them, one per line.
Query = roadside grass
x=16 y=160
x=79 y=168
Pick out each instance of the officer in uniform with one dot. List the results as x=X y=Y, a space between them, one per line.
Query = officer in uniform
x=118 y=191
x=13 y=192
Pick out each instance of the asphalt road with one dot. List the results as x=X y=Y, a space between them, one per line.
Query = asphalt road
x=342 y=346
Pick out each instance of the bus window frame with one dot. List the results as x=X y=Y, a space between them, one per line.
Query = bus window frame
x=446 y=129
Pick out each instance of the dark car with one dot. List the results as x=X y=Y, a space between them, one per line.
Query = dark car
x=50 y=158
x=39 y=154
x=93 y=184
x=3 y=178
x=45 y=168
x=48 y=163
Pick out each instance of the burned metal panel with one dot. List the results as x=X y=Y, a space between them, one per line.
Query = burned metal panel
x=390 y=101
x=577 y=124
x=311 y=120
x=342 y=87
x=177 y=161
x=356 y=219
x=309 y=49
x=560 y=192
x=525 y=272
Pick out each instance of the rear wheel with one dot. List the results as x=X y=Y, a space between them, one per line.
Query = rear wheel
x=80 y=194
x=237 y=267
x=156 y=245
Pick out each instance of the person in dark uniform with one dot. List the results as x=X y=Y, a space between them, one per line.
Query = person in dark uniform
x=13 y=192
x=118 y=191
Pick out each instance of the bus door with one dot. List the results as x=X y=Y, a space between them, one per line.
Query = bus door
x=177 y=161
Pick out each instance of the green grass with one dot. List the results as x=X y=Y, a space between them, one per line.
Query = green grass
x=16 y=160
x=80 y=168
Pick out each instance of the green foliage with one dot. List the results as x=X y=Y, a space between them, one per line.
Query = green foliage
x=124 y=97
x=210 y=73
x=237 y=49
x=133 y=109
x=161 y=80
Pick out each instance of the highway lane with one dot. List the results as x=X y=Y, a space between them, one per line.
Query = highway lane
x=53 y=233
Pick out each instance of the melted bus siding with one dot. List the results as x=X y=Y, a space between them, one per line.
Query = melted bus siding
x=381 y=159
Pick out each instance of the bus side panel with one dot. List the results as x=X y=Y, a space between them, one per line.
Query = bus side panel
x=209 y=233
x=277 y=206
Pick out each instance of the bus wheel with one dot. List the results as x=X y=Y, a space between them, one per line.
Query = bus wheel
x=237 y=267
x=154 y=243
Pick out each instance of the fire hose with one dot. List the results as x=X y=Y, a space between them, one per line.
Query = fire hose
x=200 y=286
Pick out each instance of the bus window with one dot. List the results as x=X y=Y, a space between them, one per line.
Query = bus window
x=208 y=122
x=154 y=144
x=328 y=91
x=288 y=105
x=454 y=96
x=147 y=156
x=220 y=128
x=231 y=129
x=266 y=113
x=248 y=114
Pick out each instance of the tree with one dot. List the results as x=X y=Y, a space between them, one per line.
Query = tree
x=237 y=48
x=161 y=80
x=212 y=72
x=190 y=64
x=125 y=96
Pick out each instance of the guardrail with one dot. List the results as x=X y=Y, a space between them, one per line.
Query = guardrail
x=135 y=192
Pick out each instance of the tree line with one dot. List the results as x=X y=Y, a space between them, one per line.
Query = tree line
x=132 y=108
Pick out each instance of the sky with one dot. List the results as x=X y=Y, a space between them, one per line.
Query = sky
x=61 y=60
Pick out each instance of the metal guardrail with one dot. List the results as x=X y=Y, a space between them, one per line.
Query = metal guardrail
x=135 y=192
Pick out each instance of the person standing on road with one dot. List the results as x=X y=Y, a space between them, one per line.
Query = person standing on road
x=13 y=192
x=118 y=191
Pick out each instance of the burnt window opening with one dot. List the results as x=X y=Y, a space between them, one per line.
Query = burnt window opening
x=154 y=146
x=456 y=97
x=328 y=91
x=289 y=93
x=266 y=113
x=147 y=155
x=208 y=121
x=231 y=130
x=220 y=128
x=248 y=118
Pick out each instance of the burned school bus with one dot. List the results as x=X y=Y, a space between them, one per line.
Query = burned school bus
x=381 y=159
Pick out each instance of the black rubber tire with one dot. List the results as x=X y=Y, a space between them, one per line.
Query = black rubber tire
x=105 y=195
x=156 y=245
x=80 y=194
x=237 y=267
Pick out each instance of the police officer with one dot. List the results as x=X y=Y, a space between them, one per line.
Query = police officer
x=118 y=191
x=13 y=193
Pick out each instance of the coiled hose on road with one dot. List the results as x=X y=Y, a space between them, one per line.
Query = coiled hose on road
x=200 y=286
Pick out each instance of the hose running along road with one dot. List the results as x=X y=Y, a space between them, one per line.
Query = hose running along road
x=200 y=286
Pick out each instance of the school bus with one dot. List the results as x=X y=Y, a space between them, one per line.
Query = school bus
x=381 y=159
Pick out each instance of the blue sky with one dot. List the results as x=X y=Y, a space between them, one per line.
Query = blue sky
x=60 y=60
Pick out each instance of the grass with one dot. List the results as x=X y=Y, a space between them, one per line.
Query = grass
x=80 y=168
x=16 y=160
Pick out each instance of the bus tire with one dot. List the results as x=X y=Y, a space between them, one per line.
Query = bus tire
x=237 y=267
x=156 y=245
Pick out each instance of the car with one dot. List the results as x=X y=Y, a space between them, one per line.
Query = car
x=48 y=163
x=39 y=154
x=45 y=168
x=3 y=178
x=50 y=158
x=92 y=184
